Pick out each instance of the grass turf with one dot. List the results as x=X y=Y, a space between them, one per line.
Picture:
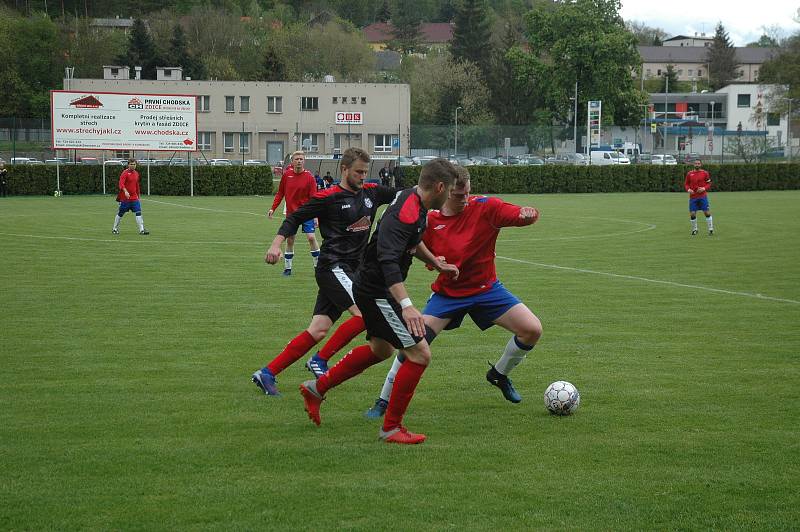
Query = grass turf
x=126 y=401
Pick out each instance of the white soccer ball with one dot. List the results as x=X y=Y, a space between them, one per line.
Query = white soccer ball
x=562 y=398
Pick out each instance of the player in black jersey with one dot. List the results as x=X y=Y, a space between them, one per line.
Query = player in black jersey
x=345 y=213
x=391 y=319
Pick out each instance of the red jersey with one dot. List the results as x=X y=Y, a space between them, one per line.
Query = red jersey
x=468 y=240
x=129 y=180
x=696 y=179
x=296 y=188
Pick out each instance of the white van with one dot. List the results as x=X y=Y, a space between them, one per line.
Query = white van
x=601 y=158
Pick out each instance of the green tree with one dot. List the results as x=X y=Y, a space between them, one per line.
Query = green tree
x=384 y=13
x=721 y=59
x=406 y=32
x=472 y=34
x=646 y=35
x=447 y=11
x=784 y=69
x=87 y=49
x=141 y=51
x=669 y=80
x=765 y=41
x=514 y=98
x=584 y=41
x=179 y=55
x=274 y=66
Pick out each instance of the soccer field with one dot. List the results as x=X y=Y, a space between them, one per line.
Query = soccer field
x=127 y=402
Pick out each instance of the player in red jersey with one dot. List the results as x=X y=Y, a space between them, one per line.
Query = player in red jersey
x=297 y=187
x=464 y=232
x=391 y=320
x=128 y=198
x=697 y=184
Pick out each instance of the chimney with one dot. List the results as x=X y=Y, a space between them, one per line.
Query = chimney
x=138 y=70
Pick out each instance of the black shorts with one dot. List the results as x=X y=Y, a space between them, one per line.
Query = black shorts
x=383 y=318
x=335 y=293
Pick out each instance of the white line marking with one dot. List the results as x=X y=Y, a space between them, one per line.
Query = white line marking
x=205 y=208
x=647 y=227
x=645 y=279
x=142 y=240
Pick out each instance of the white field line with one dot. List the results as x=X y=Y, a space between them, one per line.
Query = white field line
x=142 y=240
x=263 y=214
x=656 y=281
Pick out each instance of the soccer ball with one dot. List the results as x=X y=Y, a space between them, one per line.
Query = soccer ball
x=562 y=398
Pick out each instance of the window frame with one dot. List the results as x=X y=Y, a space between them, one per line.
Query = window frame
x=739 y=98
x=242 y=100
x=232 y=100
x=309 y=103
x=276 y=102
x=201 y=144
x=203 y=103
x=225 y=147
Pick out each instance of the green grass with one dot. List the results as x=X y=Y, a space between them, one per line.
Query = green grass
x=126 y=402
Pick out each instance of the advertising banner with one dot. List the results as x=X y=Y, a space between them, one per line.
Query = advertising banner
x=347 y=117
x=115 y=121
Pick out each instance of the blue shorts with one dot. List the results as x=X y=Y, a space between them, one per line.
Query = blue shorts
x=133 y=206
x=482 y=308
x=308 y=226
x=698 y=204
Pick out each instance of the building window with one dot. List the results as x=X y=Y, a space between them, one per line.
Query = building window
x=114 y=71
x=122 y=154
x=755 y=74
x=310 y=142
x=680 y=72
x=383 y=143
x=699 y=72
x=309 y=103
x=167 y=73
x=773 y=119
x=204 y=140
x=244 y=104
x=204 y=104
x=741 y=73
x=691 y=72
x=344 y=99
x=229 y=104
x=363 y=100
x=335 y=100
x=658 y=72
x=244 y=142
x=743 y=100
x=649 y=72
x=353 y=100
x=227 y=142
x=274 y=104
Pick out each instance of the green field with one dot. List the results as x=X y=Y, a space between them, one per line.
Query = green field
x=126 y=400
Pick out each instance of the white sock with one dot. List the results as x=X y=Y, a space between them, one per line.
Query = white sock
x=386 y=391
x=287 y=259
x=514 y=353
x=710 y=223
x=315 y=257
x=140 y=223
x=694 y=224
x=117 y=219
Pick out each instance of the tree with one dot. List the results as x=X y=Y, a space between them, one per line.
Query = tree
x=514 y=98
x=385 y=13
x=447 y=11
x=584 y=41
x=141 y=51
x=472 y=34
x=765 y=41
x=406 y=31
x=721 y=59
x=646 y=35
x=274 y=68
x=179 y=56
x=669 y=79
x=784 y=68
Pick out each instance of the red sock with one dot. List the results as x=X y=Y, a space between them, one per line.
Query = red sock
x=346 y=332
x=348 y=367
x=295 y=349
x=405 y=382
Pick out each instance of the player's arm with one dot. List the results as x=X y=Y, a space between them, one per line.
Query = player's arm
x=707 y=185
x=122 y=180
x=278 y=196
x=313 y=208
x=435 y=263
x=509 y=215
x=686 y=184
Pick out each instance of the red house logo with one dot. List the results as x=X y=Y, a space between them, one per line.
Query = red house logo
x=86 y=102
x=135 y=103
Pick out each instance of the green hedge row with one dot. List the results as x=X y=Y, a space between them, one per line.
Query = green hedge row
x=629 y=178
x=164 y=180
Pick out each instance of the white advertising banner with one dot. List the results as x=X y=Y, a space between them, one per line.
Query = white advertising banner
x=114 y=121
x=348 y=117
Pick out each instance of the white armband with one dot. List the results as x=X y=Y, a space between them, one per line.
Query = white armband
x=405 y=303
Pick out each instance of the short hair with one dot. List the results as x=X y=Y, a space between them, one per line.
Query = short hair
x=131 y=161
x=437 y=171
x=298 y=152
x=351 y=155
x=463 y=177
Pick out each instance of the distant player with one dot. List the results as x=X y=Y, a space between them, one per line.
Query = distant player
x=297 y=186
x=392 y=321
x=697 y=184
x=345 y=212
x=128 y=198
x=464 y=232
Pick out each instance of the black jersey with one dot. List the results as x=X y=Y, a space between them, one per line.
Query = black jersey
x=345 y=219
x=390 y=251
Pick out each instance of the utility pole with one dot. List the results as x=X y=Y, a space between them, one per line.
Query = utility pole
x=666 y=105
x=456 y=133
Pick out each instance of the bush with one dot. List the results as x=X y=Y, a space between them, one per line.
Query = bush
x=164 y=180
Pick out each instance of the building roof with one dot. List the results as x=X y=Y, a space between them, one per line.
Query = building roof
x=430 y=32
x=697 y=54
x=684 y=37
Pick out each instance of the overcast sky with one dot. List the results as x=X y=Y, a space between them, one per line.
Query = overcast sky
x=744 y=21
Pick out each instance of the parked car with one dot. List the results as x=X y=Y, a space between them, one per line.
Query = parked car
x=688 y=158
x=466 y=162
x=667 y=159
x=423 y=159
x=220 y=162
x=116 y=162
x=605 y=157
x=775 y=152
x=485 y=161
x=19 y=160
x=405 y=161
x=89 y=160
x=34 y=161
x=644 y=158
x=575 y=159
x=531 y=160
x=255 y=162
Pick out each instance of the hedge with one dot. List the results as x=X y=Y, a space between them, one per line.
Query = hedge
x=249 y=180
x=628 y=178
x=164 y=180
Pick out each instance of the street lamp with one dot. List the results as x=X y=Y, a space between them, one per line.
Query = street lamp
x=575 y=118
x=456 y=136
x=712 y=129
x=788 y=127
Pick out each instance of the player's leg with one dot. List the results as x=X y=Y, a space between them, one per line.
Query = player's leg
x=288 y=255
x=137 y=209
x=298 y=346
x=308 y=229
x=527 y=330
x=121 y=210
x=693 y=216
x=337 y=285
x=709 y=219
x=433 y=326
x=417 y=359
